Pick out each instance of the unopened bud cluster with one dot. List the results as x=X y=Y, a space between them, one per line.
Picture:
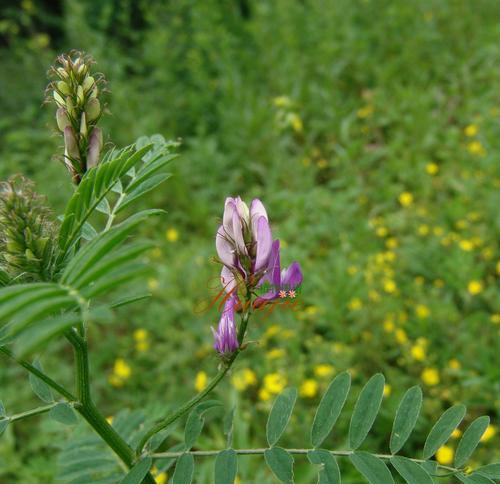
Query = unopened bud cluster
x=76 y=93
x=27 y=232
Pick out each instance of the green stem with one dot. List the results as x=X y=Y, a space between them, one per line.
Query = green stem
x=338 y=453
x=31 y=413
x=200 y=396
x=89 y=411
x=40 y=374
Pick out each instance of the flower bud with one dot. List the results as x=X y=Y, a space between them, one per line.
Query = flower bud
x=88 y=83
x=63 y=88
x=83 y=125
x=62 y=119
x=70 y=143
x=93 y=109
x=59 y=100
x=80 y=96
x=95 y=146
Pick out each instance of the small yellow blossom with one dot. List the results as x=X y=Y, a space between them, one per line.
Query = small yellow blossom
x=495 y=318
x=172 y=235
x=153 y=284
x=243 y=379
x=140 y=334
x=466 y=245
x=381 y=231
x=274 y=383
x=438 y=283
x=475 y=287
x=418 y=352
x=476 y=148
x=275 y=353
x=444 y=455
x=142 y=346
x=309 y=388
x=355 y=304
x=423 y=230
x=374 y=295
x=295 y=122
x=438 y=231
x=456 y=434
x=282 y=101
x=392 y=243
x=323 y=370
x=405 y=199
x=156 y=253
x=122 y=369
x=110 y=419
x=454 y=364
x=419 y=280
x=422 y=311
x=430 y=376
x=432 y=168
x=471 y=130
x=388 y=326
x=264 y=395
x=161 y=478
x=401 y=336
x=200 y=381
x=365 y=112
x=389 y=286
x=387 y=390
x=489 y=433
x=351 y=270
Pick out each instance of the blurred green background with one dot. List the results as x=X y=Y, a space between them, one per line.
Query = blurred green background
x=369 y=128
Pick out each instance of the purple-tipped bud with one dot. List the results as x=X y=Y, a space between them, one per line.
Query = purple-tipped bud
x=70 y=143
x=62 y=119
x=95 y=146
x=93 y=109
x=226 y=340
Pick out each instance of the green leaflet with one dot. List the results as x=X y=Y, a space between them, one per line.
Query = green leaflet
x=329 y=472
x=470 y=440
x=406 y=418
x=410 y=471
x=372 y=468
x=366 y=410
x=280 y=414
x=442 y=429
x=281 y=464
x=184 y=470
x=226 y=466
x=138 y=472
x=329 y=408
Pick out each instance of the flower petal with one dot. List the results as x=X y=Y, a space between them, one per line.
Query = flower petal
x=264 y=241
x=291 y=277
x=224 y=248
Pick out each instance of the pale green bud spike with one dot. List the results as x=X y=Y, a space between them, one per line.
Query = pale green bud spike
x=62 y=119
x=70 y=107
x=59 y=99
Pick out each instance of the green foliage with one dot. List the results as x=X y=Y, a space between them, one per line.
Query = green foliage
x=280 y=414
x=226 y=467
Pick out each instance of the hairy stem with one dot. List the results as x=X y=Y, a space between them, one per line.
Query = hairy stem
x=200 y=396
x=40 y=374
x=338 y=453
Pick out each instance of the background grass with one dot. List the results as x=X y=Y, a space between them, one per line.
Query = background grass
x=369 y=129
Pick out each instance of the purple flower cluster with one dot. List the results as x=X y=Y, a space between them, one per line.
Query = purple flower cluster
x=250 y=258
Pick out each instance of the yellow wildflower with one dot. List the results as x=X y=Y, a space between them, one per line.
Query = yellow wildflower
x=388 y=326
x=495 y=318
x=282 y=101
x=405 y=199
x=401 y=336
x=161 y=478
x=475 y=287
x=381 y=231
x=444 y=455
x=153 y=283
x=322 y=163
x=351 y=270
x=419 y=280
x=387 y=390
x=323 y=370
x=295 y=122
x=466 y=245
x=432 y=168
x=438 y=283
x=172 y=235
x=422 y=311
x=423 y=230
x=264 y=395
x=140 y=334
x=471 y=130
x=392 y=243
x=309 y=388
x=200 y=381
x=355 y=304
x=476 y=148
x=454 y=364
x=275 y=353
x=365 y=112
x=438 y=231
x=373 y=295
x=122 y=369
x=456 y=434
x=110 y=419
x=430 y=376
x=489 y=433
x=389 y=286
x=274 y=383
x=243 y=379
x=418 y=352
